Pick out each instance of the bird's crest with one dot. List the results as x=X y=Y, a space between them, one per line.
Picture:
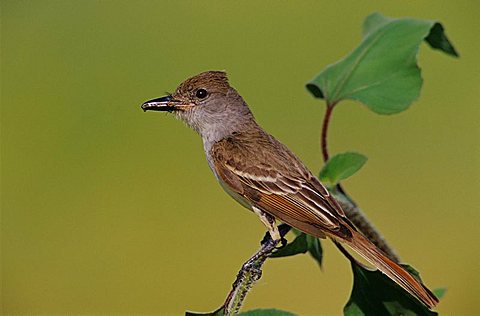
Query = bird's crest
x=213 y=80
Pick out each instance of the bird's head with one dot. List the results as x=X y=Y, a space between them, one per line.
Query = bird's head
x=207 y=103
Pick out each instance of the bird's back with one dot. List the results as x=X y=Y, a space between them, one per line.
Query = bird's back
x=271 y=177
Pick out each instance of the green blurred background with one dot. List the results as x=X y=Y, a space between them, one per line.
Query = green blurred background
x=108 y=210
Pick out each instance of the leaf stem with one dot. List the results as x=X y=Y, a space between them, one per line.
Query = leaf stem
x=326 y=122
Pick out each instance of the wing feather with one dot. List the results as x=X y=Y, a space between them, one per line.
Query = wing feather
x=273 y=179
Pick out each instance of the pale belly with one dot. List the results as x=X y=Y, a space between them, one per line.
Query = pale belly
x=237 y=197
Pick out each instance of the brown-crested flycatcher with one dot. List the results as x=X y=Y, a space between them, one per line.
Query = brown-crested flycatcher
x=263 y=175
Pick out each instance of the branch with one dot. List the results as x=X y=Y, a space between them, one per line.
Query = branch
x=251 y=272
x=358 y=218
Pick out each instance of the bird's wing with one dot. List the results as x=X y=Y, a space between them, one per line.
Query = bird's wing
x=269 y=176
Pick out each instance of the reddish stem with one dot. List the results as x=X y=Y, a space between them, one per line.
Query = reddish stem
x=326 y=121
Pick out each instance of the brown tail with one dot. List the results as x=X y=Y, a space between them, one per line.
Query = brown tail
x=395 y=272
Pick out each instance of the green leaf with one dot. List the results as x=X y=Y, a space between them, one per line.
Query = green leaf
x=266 y=312
x=301 y=244
x=374 y=293
x=382 y=72
x=373 y=22
x=341 y=166
x=298 y=245
x=438 y=40
x=440 y=292
x=315 y=249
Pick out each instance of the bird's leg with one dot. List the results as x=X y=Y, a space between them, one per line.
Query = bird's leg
x=283 y=229
x=269 y=221
x=269 y=245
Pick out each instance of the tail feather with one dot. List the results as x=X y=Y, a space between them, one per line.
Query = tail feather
x=395 y=272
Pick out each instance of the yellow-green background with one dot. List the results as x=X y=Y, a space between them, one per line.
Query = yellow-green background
x=106 y=209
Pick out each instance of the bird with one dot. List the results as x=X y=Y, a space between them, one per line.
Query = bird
x=264 y=176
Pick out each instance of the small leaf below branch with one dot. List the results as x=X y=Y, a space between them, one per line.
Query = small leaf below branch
x=374 y=293
x=301 y=244
x=298 y=245
x=440 y=292
x=266 y=312
x=315 y=249
x=341 y=166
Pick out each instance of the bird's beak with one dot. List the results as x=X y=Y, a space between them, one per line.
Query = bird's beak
x=166 y=103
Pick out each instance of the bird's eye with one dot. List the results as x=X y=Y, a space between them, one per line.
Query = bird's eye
x=201 y=93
